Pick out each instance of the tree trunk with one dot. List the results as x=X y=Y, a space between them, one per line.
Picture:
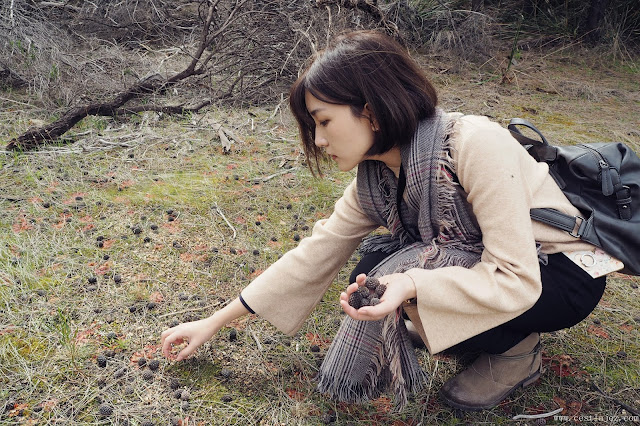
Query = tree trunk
x=594 y=20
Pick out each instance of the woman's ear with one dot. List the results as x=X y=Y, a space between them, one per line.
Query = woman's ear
x=366 y=111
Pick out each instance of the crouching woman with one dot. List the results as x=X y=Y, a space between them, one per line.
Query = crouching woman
x=463 y=262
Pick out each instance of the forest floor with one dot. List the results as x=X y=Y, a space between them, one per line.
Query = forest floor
x=138 y=225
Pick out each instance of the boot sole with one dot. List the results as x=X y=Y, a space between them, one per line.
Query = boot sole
x=524 y=383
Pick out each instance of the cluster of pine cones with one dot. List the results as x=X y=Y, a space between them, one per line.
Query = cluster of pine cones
x=367 y=295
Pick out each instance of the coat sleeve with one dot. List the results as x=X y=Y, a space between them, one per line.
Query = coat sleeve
x=286 y=292
x=456 y=303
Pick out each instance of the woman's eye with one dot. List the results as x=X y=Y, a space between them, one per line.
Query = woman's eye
x=324 y=123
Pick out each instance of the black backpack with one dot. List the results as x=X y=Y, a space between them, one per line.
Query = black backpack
x=602 y=180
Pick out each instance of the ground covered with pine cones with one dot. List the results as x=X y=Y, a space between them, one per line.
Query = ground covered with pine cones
x=138 y=225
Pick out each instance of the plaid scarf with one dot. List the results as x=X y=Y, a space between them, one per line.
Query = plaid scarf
x=367 y=357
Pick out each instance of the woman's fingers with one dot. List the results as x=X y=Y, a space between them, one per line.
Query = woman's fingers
x=168 y=340
x=365 y=313
x=186 y=352
x=351 y=288
x=176 y=340
x=348 y=309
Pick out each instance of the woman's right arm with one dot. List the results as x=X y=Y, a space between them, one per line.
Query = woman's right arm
x=288 y=290
x=198 y=332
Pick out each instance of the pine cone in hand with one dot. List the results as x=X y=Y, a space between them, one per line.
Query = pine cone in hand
x=355 y=299
x=371 y=283
x=367 y=295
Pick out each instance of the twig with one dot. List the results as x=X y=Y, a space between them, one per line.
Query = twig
x=58 y=4
x=267 y=178
x=228 y=223
x=537 y=416
x=277 y=108
x=258 y=344
x=16 y=102
x=629 y=408
x=224 y=140
x=11 y=17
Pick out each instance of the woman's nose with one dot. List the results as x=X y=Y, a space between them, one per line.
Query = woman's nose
x=320 y=140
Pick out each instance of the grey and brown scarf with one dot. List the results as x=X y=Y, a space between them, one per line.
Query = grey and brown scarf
x=368 y=357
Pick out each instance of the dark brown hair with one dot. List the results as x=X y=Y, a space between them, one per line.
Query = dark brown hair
x=365 y=67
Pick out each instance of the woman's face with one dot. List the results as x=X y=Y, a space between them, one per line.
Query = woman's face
x=345 y=138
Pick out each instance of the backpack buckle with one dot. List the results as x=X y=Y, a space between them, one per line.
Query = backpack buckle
x=577 y=227
x=623 y=200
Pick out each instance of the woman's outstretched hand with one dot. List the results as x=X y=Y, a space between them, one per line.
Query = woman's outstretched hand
x=193 y=333
x=400 y=287
x=197 y=332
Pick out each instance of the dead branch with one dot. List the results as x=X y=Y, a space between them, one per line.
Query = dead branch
x=154 y=84
x=165 y=109
x=35 y=136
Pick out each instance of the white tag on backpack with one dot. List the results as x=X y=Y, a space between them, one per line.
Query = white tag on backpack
x=596 y=262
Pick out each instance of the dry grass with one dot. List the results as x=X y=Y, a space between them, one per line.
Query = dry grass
x=59 y=205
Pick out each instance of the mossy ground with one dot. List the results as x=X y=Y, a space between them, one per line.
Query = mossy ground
x=141 y=224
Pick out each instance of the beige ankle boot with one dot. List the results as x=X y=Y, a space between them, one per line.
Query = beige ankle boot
x=492 y=378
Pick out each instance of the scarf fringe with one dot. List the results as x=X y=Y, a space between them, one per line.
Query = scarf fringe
x=385 y=243
x=406 y=375
x=391 y=363
x=355 y=384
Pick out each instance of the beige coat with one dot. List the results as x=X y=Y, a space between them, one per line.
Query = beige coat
x=502 y=182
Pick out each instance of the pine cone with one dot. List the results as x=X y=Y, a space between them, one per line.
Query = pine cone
x=371 y=283
x=355 y=300
x=364 y=292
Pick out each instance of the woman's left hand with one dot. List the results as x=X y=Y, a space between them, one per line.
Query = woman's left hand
x=400 y=287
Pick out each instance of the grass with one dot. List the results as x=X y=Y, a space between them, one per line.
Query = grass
x=78 y=280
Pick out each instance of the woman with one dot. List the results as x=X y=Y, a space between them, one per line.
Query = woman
x=462 y=260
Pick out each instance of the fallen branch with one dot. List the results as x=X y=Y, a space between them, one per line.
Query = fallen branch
x=154 y=84
x=627 y=407
x=268 y=178
x=227 y=221
x=35 y=136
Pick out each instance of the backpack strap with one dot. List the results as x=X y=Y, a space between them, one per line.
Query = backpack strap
x=541 y=150
x=524 y=140
x=574 y=225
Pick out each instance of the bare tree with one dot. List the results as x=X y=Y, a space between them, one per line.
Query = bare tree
x=246 y=51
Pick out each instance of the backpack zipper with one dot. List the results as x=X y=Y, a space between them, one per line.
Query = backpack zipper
x=603 y=166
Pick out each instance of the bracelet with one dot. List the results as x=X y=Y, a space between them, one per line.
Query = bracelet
x=413 y=299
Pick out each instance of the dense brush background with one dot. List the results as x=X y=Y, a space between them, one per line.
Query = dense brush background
x=161 y=210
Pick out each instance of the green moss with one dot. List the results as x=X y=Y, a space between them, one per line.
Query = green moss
x=17 y=347
x=178 y=189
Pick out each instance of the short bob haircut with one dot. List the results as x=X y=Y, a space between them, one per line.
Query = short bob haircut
x=365 y=67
